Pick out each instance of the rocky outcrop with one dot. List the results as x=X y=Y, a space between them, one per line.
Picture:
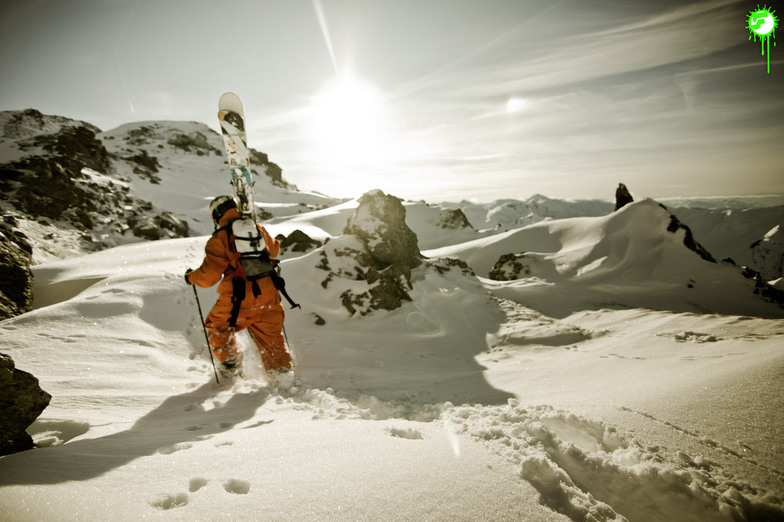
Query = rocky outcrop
x=60 y=177
x=622 y=196
x=271 y=170
x=688 y=238
x=378 y=248
x=297 y=241
x=510 y=267
x=16 y=284
x=21 y=400
x=195 y=142
x=454 y=219
x=380 y=223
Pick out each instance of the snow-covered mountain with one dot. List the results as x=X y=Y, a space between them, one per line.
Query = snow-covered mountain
x=68 y=181
x=609 y=369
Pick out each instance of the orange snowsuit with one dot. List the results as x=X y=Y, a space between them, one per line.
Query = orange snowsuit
x=262 y=315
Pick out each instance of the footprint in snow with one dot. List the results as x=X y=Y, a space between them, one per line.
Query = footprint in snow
x=196 y=484
x=168 y=502
x=237 y=487
x=168 y=450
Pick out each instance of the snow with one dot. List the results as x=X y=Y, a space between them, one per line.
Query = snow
x=622 y=378
x=468 y=402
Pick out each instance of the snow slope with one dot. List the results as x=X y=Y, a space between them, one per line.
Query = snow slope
x=599 y=387
x=189 y=177
x=625 y=259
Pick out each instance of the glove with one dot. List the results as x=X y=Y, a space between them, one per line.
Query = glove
x=187 y=280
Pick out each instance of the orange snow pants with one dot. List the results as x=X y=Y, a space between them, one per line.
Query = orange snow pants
x=264 y=321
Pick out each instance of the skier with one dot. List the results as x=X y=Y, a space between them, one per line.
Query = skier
x=239 y=304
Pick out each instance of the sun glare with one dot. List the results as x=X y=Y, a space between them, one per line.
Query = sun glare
x=516 y=105
x=347 y=121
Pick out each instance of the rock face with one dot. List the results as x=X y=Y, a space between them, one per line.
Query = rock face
x=688 y=238
x=16 y=285
x=21 y=400
x=60 y=174
x=767 y=254
x=377 y=247
x=622 y=196
x=271 y=170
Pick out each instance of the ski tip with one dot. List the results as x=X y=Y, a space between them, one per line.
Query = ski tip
x=229 y=101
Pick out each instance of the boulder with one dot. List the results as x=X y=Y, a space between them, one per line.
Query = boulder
x=168 y=221
x=377 y=247
x=21 y=400
x=380 y=223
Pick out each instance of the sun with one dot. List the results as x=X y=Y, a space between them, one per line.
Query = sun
x=347 y=121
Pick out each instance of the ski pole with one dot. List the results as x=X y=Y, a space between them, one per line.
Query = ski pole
x=206 y=337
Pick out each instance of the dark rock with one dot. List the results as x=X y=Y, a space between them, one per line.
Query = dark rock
x=298 y=241
x=378 y=248
x=194 y=142
x=271 y=170
x=622 y=196
x=145 y=227
x=16 y=285
x=168 y=221
x=77 y=147
x=509 y=267
x=454 y=219
x=380 y=223
x=47 y=187
x=447 y=264
x=21 y=400
x=688 y=238
x=767 y=254
x=146 y=166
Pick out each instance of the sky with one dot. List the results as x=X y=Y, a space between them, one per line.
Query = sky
x=440 y=100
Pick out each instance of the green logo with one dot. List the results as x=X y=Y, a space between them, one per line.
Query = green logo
x=762 y=23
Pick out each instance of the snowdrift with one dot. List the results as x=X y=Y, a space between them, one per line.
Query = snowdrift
x=633 y=258
x=466 y=402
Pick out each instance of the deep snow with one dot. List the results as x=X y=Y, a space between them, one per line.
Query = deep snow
x=623 y=377
x=465 y=403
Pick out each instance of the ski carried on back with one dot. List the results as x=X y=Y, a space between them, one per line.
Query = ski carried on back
x=254 y=259
x=231 y=115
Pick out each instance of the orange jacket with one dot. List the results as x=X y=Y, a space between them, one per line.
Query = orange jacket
x=219 y=262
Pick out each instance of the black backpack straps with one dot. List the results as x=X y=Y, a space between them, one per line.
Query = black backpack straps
x=237 y=296
x=280 y=285
x=254 y=285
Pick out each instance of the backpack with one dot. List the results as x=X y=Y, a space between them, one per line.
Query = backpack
x=253 y=263
x=253 y=258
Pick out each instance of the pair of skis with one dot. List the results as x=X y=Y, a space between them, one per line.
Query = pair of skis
x=231 y=115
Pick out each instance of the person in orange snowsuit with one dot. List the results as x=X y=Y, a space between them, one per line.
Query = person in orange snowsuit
x=260 y=311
